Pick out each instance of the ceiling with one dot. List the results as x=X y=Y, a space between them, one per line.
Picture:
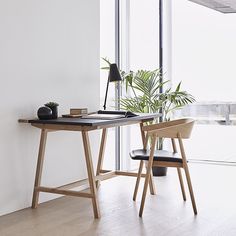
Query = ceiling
x=224 y=6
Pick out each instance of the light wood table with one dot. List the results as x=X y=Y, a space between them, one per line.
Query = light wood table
x=84 y=126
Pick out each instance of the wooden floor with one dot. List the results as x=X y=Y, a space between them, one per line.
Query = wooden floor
x=164 y=214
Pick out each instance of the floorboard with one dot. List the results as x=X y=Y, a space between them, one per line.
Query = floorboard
x=164 y=214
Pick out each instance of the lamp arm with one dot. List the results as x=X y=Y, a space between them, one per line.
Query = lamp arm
x=105 y=101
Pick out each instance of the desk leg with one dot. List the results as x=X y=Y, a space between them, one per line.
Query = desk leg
x=151 y=183
x=39 y=167
x=89 y=163
x=101 y=153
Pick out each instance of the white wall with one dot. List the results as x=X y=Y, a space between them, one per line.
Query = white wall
x=49 y=50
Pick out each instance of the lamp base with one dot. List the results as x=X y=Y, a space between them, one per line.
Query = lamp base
x=126 y=113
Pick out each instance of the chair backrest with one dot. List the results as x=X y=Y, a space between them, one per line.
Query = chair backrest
x=171 y=129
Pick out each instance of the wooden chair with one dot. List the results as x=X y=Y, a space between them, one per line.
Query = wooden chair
x=176 y=129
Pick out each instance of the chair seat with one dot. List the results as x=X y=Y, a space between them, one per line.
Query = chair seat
x=159 y=155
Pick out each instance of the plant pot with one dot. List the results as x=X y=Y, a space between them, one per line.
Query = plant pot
x=159 y=171
x=54 y=112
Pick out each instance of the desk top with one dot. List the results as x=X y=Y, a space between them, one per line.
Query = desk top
x=94 y=122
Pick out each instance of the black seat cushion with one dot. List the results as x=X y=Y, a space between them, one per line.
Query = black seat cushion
x=159 y=155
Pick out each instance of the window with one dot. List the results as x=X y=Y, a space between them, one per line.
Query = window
x=138 y=49
x=203 y=59
x=107 y=49
x=141 y=23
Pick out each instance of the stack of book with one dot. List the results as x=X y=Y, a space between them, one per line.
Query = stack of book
x=77 y=112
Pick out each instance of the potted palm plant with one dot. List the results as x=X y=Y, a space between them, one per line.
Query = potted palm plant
x=143 y=87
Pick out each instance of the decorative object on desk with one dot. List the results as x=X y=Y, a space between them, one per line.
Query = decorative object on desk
x=54 y=107
x=44 y=113
x=78 y=111
x=147 y=96
x=114 y=76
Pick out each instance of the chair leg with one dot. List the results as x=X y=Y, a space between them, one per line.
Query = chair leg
x=181 y=183
x=185 y=166
x=152 y=185
x=138 y=180
x=145 y=141
x=190 y=189
x=148 y=174
x=147 y=179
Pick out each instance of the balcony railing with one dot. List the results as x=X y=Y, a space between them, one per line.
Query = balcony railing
x=222 y=113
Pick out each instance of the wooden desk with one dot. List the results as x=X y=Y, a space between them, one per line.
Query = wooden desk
x=84 y=126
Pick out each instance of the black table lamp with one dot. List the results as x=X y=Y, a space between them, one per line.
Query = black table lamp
x=114 y=75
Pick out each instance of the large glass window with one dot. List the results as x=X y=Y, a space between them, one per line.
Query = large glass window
x=142 y=20
x=138 y=49
x=107 y=50
x=199 y=48
x=203 y=59
x=144 y=31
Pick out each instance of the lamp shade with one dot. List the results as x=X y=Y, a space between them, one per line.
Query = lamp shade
x=114 y=74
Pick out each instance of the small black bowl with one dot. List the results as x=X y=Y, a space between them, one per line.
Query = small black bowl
x=44 y=113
